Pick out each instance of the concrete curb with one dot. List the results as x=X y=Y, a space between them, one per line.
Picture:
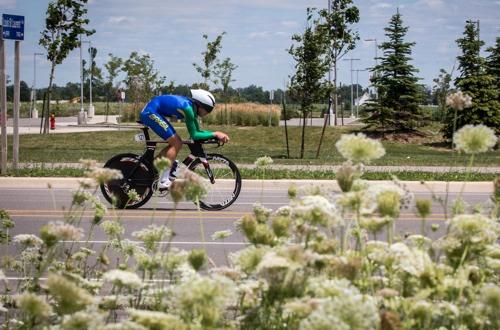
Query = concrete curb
x=414 y=186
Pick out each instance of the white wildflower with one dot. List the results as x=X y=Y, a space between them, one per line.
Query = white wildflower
x=316 y=210
x=458 y=101
x=27 y=240
x=263 y=162
x=321 y=287
x=474 y=139
x=65 y=231
x=412 y=261
x=349 y=312
x=102 y=175
x=220 y=235
x=122 y=278
x=357 y=148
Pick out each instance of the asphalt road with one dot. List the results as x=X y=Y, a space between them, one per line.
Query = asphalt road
x=31 y=204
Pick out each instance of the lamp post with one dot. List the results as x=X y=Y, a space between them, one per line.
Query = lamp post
x=376 y=57
x=357 y=88
x=82 y=116
x=33 y=110
x=352 y=94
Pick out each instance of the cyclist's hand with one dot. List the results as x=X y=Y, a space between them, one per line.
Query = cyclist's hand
x=222 y=136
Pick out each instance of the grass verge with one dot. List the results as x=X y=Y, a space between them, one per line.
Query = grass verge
x=247 y=144
x=284 y=174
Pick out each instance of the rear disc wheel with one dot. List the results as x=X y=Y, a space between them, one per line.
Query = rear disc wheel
x=138 y=176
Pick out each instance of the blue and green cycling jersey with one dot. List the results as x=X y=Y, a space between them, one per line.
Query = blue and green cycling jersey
x=153 y=116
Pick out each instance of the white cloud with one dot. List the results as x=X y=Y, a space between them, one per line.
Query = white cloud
x=433 y=3
x=260 y=34
x=121 y=19
x=289 y=24
x=9 y=4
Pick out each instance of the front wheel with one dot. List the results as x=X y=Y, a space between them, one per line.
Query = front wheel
x=137 y=175
x=227 y=182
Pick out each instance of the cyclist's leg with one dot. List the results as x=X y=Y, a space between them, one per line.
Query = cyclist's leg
x=151 y=118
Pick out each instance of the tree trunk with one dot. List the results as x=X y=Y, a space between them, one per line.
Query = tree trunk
x=49 y=92
x=335 y=91
x=303 y=134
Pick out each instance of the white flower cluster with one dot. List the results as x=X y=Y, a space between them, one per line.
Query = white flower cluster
x=357 y=148
x=122 y=278
x=27 y=240
x=316 y=210
x=64 y=231
x=263 y=162
x=458 y=101
x=474 y=139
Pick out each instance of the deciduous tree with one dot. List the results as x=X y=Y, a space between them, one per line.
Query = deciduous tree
x=65 y=21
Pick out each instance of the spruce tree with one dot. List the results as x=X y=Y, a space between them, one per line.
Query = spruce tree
x=493 y=63
x=397 y=105
x=475 y=81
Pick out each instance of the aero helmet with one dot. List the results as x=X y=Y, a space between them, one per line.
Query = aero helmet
x=204 y=97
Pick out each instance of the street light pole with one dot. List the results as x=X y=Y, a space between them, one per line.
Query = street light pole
x=357 y=88
x=91 y=63
x=352 y=95
x=82 y=115
x=376 y=57
x=33 y=111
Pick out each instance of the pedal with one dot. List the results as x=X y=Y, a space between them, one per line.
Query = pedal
x=159 y=192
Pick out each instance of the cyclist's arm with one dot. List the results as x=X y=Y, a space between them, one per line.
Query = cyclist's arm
x=193 y=128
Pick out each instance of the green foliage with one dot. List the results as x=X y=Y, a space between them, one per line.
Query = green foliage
x=441 y=89
x=341 y=37
x=64 y=24
x=307 y=84
x=478 y=82
x=397 y=105
x=143 y=81
x=210 y=62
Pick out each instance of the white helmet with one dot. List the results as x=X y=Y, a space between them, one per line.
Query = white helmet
x=204 y=97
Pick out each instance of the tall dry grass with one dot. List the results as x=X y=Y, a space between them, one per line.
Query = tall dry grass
x=244 y=114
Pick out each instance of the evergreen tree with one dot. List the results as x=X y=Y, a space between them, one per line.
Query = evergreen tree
x=475 y=81
x=397 y=106
x=493 y=63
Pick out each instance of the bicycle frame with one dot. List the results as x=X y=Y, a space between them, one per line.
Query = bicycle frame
x=195 y=147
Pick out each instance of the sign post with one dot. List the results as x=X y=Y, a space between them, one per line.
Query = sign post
x=13 y=28
x=271 y=98
x=3 y=105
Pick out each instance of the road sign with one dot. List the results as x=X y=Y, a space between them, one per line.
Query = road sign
x=13 y=27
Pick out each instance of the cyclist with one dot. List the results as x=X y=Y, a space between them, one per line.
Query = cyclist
x=200 y=104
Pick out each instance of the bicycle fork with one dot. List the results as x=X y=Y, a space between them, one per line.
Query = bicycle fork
x=198 y=152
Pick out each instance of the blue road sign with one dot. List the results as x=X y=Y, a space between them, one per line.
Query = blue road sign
x=13 y=27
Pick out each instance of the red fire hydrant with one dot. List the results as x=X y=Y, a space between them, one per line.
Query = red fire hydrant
x=52 y=121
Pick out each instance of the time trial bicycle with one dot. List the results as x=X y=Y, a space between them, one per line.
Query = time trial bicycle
x=139 y=174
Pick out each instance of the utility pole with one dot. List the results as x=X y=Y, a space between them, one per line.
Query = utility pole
x=33 y=111
x=352 y=94
x=82 y=116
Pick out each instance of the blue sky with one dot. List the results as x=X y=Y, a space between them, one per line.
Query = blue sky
x=258 y=34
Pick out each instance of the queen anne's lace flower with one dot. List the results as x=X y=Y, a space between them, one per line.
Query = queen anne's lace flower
x=458 y=100
x=263 y=162
x=474 y=139
x=27 y=240
x=123 y=278
x=316 y=210
x=357 y=148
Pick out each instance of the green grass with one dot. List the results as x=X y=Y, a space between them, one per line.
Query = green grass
x=282 y=174
x=247 y=144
